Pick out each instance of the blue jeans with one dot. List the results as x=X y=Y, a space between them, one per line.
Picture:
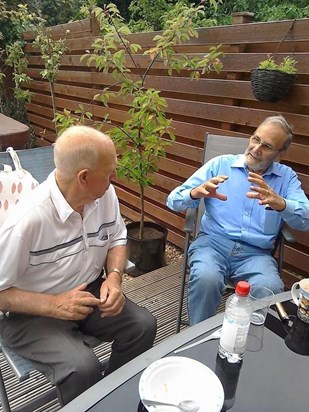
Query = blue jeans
x=214 y=260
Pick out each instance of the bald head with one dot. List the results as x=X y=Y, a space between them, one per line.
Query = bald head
x=81 y=147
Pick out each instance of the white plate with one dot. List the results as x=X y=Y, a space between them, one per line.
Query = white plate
x=176 y=378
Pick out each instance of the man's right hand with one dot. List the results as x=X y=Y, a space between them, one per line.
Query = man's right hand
x=76 y=304
x=209 y=189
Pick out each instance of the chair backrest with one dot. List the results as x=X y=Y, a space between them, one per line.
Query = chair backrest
x=217 y=145
x=38 y=161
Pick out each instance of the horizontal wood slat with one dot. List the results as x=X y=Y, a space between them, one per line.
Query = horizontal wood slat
x=232 y=62
x=296 y=258
x=219 y=104
x=235 y=34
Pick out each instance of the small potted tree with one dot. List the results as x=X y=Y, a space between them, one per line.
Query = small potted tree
x=143 y=137
x=272 y=81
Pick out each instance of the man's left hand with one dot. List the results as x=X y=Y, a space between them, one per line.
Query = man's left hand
x=264 y=193
x=111 y=297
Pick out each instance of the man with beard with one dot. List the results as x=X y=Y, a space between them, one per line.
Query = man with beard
x=247 y=198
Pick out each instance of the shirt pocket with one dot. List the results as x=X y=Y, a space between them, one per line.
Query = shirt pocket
x=100 y=238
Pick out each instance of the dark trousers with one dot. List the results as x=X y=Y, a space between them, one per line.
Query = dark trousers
x=58 y=350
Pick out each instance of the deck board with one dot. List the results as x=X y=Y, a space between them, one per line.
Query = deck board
x=158 y=291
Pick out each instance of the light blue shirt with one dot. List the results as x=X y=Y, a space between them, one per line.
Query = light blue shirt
x=239 y=217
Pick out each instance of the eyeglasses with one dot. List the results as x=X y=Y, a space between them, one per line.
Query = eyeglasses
x=265 y=146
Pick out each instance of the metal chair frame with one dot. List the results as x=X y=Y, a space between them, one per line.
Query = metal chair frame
x=216 y=145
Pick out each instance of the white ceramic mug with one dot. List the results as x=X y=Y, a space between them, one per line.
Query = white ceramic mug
x=301 y=299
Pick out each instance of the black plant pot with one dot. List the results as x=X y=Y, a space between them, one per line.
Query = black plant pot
x=271 y=85
x=148 y=253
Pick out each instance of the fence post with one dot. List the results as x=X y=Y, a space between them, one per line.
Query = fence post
x=95 y=26
x=242 y=17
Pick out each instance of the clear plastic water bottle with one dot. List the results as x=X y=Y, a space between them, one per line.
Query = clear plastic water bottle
x=238 y=311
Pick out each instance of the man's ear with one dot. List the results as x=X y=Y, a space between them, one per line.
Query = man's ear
x=82 y=176
x=280 y=155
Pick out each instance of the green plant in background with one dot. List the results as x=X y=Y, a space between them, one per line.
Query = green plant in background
x=288 y=65
x=144 y=136
x=51 y=54
x=17 y=60
x=145 y=17
x=13 y=56
x=150 y=15
x=67 y=118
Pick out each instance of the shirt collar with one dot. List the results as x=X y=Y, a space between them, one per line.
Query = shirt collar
x=63 y=208
x=274 y=168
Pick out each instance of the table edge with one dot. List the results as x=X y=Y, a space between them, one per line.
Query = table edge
x=101 y=389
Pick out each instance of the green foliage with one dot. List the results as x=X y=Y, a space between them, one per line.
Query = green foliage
x=270 y=10
x=59 y=11
x=152 y=15
x=67 y=118
x=17 y=60
x=140 y=140
x=146 y=15
x=200 y=19
x=144 y=136
x=51 y=51
x=287 y=65
x=282 y=10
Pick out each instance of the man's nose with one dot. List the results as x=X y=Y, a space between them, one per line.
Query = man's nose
x=258 y=147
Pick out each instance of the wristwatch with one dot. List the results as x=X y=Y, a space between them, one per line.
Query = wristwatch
x=116 y=270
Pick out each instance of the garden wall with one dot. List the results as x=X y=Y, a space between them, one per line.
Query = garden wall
x=220 y=104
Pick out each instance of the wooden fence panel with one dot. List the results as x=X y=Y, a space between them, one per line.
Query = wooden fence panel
x=220 y=104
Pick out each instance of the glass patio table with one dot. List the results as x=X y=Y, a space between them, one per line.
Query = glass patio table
x=272 y=377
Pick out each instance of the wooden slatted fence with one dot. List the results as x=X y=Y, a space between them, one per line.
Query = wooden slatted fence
x=220 y=104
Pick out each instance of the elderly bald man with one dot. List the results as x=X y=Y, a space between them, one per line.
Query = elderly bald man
x=52 y=253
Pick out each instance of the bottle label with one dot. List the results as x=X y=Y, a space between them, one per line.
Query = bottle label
x=234 y=336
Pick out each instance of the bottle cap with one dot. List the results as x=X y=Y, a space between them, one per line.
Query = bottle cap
x=243 y=288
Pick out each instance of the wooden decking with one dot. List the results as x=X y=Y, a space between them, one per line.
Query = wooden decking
x=158 y=291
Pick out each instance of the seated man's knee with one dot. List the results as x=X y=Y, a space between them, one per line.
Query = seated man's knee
x=204 y=278
x=276 y=285
x=87 y=366
x=146 y=325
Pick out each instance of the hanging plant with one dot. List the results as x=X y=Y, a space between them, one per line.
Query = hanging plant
x=271 y=82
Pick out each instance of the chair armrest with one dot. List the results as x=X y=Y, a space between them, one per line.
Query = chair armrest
x=20 y=366
x=190 y=220
x=130 y=266
x=287 y=234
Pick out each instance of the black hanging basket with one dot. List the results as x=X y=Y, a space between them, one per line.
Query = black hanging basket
x=271 y=85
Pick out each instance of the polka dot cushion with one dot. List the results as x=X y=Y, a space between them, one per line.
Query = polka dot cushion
x=14 y=185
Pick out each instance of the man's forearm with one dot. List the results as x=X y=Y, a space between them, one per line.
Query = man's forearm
x=116 y=260
x=180 y=200
x=22 y=301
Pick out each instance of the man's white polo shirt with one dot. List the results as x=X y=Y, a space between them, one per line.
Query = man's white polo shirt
x=46 y=246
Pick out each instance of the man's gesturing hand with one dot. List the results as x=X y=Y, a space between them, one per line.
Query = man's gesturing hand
x=264 y=193
x=76 y=304
x=209 y=189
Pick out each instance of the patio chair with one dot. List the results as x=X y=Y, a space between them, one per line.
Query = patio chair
x=216 y=145
x=39 y=162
